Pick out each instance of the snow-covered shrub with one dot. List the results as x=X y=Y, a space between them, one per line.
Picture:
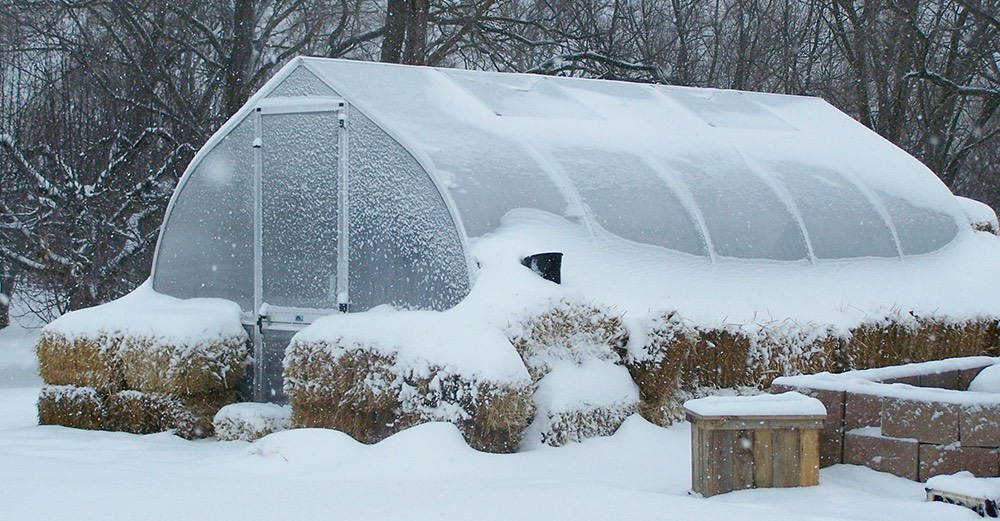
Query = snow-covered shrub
x=71 y=406
x=576 y=402
x=250 y=421
x=373 y=374
x=177 y=368
x=83 y=360
x=569 y=331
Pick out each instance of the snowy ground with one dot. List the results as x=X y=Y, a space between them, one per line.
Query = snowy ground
x=642 y=472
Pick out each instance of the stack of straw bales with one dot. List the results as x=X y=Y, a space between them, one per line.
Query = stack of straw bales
x=370 y=391
x=678 y=360
x=121 y=367
x=573 y=353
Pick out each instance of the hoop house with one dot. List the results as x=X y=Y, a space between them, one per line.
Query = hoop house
x=344 y=185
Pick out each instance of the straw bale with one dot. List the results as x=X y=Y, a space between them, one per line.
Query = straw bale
x=570 y=331
x=787 y=349
x=250 y=421
x=498 y=417
x=71 y=406
x=354 y=392
x=575 y=426
x=145 y=413
x=82 y=362
x=906 y=339
x=176 y=369
x=367 y=395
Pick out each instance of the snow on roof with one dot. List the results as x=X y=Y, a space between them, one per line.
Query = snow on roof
x=702 y=171
x=784 y=404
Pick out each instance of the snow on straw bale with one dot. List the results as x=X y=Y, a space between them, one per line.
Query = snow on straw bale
x=149 y=342
x=72 y=406
x=250 y=421
x=568 y=332
x=575 y=402
x=373 y=374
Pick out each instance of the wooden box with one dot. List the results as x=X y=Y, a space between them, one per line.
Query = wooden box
x=733 y=452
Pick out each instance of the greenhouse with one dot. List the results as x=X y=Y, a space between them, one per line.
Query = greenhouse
x=341 y=186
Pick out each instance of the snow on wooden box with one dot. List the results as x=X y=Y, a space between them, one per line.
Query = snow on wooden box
x=754 y=442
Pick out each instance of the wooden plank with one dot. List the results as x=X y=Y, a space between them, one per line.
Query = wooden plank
x=757 y=422
x=743 y=460
x=722 y=461
x=808 y=458
x=697 y=465
x=763 y=459
x=786 y=457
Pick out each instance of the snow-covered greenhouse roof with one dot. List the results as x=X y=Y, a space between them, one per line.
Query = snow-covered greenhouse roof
x=416 y=161
x=702 y=171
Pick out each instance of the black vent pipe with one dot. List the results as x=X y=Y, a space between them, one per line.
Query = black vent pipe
x=547 y=265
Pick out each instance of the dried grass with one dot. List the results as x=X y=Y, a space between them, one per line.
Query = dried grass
x=178 y=370
x=71 y=406
x=146 y=413
x=82 y=362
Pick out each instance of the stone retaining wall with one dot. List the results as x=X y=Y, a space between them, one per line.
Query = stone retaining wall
x=914 y=421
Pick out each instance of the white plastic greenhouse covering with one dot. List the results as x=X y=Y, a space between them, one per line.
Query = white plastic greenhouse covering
x=433 y=157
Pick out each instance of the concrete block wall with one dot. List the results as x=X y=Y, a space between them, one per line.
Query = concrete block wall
x=913 y=421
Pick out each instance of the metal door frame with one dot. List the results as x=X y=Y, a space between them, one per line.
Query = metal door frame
x=294 y=318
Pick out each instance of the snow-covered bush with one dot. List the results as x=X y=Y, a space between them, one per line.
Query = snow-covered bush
x=250 y=421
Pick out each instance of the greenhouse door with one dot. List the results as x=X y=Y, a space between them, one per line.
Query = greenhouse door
x=300 y=267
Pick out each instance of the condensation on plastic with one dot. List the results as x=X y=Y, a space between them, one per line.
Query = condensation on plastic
x=301 y=82
x=840 y=220
x=207 y=244
x=492 y=176
x=627 y=198
x=486 y=175
x=744 y=217
x=405 y=249
x=299 y=209
x=920 y=230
